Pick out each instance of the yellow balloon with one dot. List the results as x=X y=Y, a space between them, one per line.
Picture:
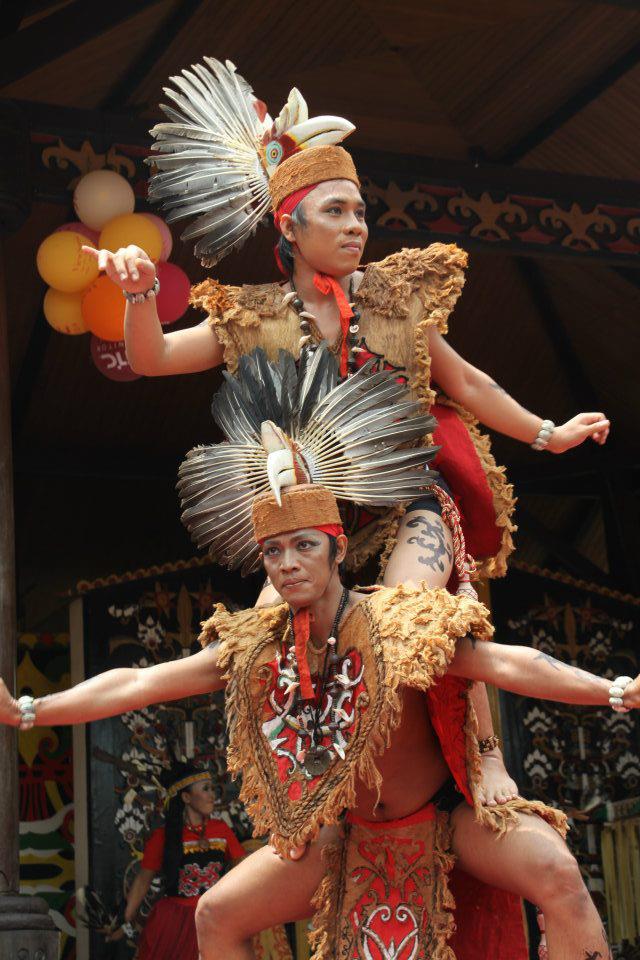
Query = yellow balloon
x=62 y=264
x=132 y=228
x=64 y=311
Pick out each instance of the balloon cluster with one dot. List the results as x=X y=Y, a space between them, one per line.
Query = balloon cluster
x=79 y=298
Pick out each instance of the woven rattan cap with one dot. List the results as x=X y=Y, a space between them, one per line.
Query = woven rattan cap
x=315 y=165
x=305 y=505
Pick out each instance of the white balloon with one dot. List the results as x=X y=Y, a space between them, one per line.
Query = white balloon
x=102 y=195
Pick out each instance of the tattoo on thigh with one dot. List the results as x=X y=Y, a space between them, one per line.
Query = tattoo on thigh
x=431 y=540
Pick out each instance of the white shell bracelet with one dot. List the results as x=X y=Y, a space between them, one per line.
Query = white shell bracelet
x=544 y=435
x=616 y=694
x=147 y=295
x=27 y=708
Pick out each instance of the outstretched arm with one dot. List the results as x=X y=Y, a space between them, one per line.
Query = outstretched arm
x=532 y=673
x=150 y=351
x=118 y=691
x=496 y=409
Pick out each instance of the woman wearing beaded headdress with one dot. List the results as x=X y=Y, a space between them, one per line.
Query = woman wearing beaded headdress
x=222 y=160
x=190 y=851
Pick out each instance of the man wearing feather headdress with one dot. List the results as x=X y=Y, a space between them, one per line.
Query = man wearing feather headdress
x=222 y=160
x=350 y=722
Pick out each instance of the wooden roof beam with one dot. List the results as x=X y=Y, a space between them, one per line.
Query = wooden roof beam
x=12 y=16
x=571 y=107
x=627 y=4
x=48 y=39
x=127 y=84
x=411 y=200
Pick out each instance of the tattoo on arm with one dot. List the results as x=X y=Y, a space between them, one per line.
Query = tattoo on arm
x=496 y=386
x=556 y=664
x=431 y=540
x=576 y=671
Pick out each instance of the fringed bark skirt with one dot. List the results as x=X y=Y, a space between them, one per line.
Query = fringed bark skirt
x=388 y=895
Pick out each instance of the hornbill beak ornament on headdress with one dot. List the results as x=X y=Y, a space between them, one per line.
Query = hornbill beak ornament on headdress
x=285 y=466
x=286 y=426
x=219 y=151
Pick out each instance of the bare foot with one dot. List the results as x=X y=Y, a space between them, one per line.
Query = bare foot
x=496 y=786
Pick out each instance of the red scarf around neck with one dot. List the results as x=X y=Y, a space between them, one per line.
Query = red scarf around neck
x=322 y=281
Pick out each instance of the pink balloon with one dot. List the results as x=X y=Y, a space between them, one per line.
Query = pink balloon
x=78 y=227
x=175 y=287
x=165 y=233
x=110 y=357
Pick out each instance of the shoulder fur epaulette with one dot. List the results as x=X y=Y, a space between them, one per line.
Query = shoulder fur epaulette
x=434 y=274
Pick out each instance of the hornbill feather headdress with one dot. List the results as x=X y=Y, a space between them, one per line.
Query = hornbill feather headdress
x=222 y=159
x=285 y=426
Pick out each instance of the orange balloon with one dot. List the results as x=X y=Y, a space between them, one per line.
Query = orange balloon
x=103 y=309
x=62 y=264
x=132 y=228
x=64 y=311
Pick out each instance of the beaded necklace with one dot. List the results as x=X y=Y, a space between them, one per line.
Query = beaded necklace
x=306 y=318
x=317 y=757
x=202 y=843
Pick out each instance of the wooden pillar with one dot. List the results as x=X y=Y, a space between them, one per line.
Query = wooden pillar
x=26 y=929
x=8 y=637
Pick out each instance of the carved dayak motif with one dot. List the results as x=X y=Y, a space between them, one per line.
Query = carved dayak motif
x=504 y=217
x=448 y=207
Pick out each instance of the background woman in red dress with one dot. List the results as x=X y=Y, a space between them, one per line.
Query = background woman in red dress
x=191 y=851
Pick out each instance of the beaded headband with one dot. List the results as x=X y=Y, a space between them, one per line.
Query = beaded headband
x=181 y=785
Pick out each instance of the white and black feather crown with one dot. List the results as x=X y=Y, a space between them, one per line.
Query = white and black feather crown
x=218 y=150
x=353 y=437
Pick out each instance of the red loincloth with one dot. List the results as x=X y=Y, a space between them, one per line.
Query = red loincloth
x=459 y=464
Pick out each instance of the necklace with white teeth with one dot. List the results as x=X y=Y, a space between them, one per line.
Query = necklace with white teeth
x=317 y=758
x=306 y=318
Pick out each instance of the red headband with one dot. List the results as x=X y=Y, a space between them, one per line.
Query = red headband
x=289 y=203
x=332 y=529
